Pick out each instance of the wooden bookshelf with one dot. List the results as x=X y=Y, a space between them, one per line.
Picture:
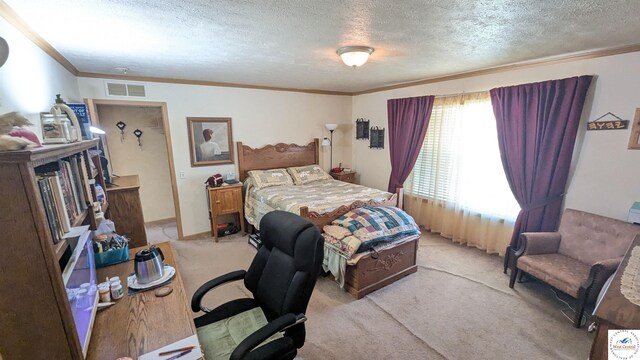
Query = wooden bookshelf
x=79 y=220
x=35 y=314
x=60 y=248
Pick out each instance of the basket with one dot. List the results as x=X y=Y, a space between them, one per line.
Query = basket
x=111 y=257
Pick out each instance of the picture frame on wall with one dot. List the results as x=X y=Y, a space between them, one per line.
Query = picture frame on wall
x=634 y=138
x=210 y=141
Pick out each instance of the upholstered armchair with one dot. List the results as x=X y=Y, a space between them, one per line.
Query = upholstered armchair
x=578 y=258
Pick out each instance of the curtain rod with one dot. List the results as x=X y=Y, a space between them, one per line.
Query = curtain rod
x=464 y=93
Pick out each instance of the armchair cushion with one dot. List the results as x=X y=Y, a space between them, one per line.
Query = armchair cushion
x=562 y=272
x=221 y=338
x=540 y=243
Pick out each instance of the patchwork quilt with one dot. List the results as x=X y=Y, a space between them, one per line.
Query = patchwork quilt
x=353 y=235
x=374 y=225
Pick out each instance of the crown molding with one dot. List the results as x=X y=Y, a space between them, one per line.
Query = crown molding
x=591 y=54
x=17 y=22
x=207 y=83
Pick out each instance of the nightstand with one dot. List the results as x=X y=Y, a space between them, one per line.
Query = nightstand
x=346 y=176
x=225 y=200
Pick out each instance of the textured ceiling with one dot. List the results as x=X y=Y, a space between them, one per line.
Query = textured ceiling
x=292 y=43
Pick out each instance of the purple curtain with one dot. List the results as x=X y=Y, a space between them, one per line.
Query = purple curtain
x=537 y=126
x=408 y=121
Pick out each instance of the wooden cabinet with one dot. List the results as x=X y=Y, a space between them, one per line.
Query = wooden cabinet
x=346 y=176
x=35 y=315
x=225 y=200
x=125 y=209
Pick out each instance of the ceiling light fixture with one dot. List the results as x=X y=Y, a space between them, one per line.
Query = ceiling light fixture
x=355 y=56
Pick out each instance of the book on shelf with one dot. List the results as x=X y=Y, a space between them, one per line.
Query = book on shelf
x=65 y=192
x=84 y=175
x=77 y=184
x=50 y=212
x=61 y=206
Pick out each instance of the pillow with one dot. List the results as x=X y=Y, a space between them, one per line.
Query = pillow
x=374 y=225
x=266 y=178
x=336 y=232
x=306 y=174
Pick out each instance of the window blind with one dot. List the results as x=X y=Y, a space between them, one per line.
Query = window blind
x=459 y=161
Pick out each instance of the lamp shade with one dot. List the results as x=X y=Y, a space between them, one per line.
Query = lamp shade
x=326 y=142
x=331 y=127
x=96 y=130
x=354 y=56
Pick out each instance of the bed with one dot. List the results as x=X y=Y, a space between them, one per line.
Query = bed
x=321 y=203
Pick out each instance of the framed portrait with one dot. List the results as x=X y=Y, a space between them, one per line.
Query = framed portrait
x=210 y=141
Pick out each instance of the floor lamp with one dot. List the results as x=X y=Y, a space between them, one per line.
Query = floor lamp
x=327 y=142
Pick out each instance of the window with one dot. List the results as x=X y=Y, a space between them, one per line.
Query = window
x=459 y=163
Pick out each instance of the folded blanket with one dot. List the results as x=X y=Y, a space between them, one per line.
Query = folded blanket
x=375 y=225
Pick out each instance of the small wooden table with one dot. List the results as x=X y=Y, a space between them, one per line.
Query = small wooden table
x=225 y=200
x=141 y=323
x=614 y=311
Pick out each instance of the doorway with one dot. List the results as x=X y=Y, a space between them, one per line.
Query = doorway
x=148 y=156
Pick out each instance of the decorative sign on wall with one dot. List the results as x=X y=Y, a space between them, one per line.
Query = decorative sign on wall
x=362 y=129
x=634 y=140
x=616 y=123
x=377 y=138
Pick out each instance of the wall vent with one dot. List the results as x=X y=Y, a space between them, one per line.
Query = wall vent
x=125 y=89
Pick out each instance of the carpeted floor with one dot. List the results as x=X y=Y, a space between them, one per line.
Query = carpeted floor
x=457 y=306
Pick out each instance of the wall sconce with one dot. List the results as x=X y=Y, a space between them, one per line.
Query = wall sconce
x=327 y=142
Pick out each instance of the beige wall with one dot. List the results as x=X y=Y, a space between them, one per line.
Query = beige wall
x=259 y=117
x=150 y=161
x=30 y=79
x=605 y=177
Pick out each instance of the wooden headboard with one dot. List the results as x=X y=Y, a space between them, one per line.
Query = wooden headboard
x=276 y=156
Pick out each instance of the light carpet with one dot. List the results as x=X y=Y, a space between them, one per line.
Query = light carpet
x=457 y=306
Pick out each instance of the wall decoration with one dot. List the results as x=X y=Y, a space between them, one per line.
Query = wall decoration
x=121 y=126
x=377 y=138
x=210 y=141
x=362 y=128
x=634 y=139
x=138 y=134
x=614 y=124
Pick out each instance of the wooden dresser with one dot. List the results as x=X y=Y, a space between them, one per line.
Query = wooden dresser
x=346 y=176
x=125 y=209
x=614 y=311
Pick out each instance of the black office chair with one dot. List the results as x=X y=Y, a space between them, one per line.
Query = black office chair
x=281 y=278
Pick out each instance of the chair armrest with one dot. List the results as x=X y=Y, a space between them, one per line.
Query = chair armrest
x=538 y=243
x=273 y=327
x=600 y=272
x=211 y=284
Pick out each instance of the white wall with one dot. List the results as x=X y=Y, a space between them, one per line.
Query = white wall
x=149 y=161
x=606 y=176
x=259 y=117
x=30 y=79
